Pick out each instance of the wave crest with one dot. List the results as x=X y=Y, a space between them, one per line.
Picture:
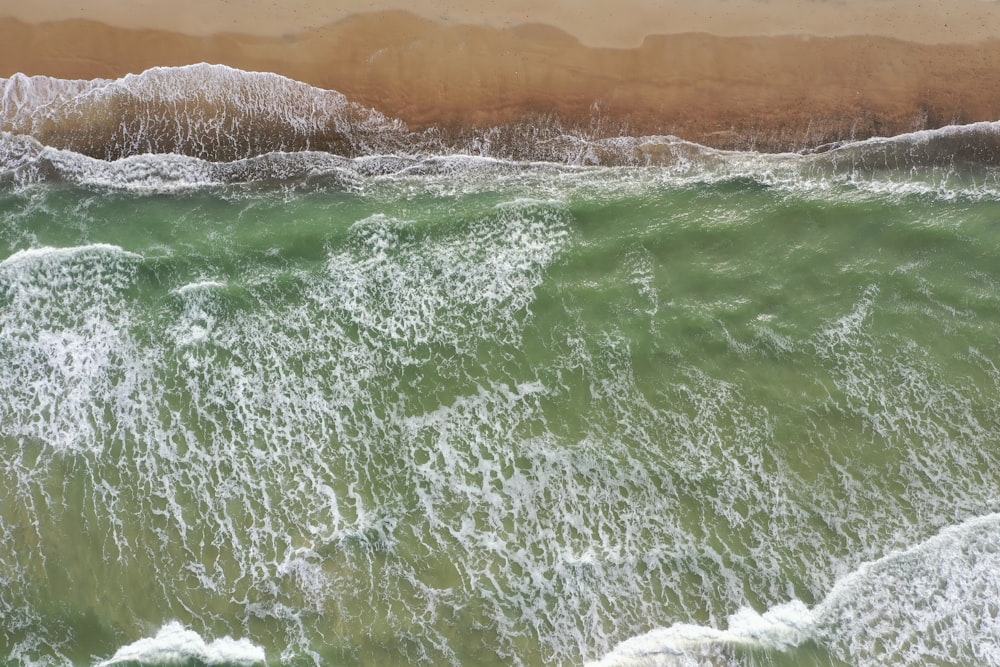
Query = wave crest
x=934 y=603
x=176 y=645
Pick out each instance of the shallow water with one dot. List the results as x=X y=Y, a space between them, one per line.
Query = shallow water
x=726 y=408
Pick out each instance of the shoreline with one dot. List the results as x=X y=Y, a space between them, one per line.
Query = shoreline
x=768 y=93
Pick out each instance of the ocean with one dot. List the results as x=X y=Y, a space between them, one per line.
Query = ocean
x=282 y=382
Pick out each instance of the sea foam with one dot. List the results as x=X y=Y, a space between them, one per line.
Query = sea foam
x=911 y=607
x=779 y=628
x=176 y=645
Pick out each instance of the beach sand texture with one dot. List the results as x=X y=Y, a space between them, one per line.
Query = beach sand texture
x=776 y=75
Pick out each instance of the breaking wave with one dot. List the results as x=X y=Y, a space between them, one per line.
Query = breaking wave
x=934 y=603
x=176 y=645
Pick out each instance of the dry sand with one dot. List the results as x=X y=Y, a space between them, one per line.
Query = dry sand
x=617 y=23
x=739 y=85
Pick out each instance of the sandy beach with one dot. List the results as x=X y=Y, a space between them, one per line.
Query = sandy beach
x=771 y=76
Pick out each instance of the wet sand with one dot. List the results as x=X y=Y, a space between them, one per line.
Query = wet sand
x=764 y=91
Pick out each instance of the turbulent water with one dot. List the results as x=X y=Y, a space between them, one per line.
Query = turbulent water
x=283 y=382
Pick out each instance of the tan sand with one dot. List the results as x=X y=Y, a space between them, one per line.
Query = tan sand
x=768 y=92
x=618 y=23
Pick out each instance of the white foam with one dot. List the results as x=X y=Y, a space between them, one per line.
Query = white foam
x=46 y=254
x=932 y=603
x=65 y=339
x=176 y=645
x=23 y=161
x=779 y=628
x=22 y=97
x=199 y=286
x=155 y=173
x=923 y=136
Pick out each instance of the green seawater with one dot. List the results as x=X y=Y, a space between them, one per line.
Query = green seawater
x=500 y=417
